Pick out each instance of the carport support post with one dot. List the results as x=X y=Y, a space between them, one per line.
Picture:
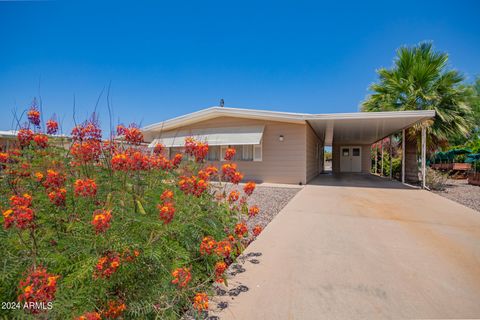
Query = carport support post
x=381 y=172
x=376 y=157
x=390 y=149
x=424 y=156
x=403 y=156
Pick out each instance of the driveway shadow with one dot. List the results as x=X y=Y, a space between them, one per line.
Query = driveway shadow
x=362 y=180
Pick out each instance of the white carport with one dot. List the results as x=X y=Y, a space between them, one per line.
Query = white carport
x=367 y=128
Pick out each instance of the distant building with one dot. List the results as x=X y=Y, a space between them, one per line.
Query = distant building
x=8 y=139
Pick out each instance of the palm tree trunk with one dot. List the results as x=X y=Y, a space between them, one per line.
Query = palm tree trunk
x=411 y=164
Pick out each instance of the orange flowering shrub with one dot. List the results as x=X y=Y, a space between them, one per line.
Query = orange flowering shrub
x=158 y=149
x=4 y=157
x=176 y=160
x=38 y=286
x=54 y=179
x=19 y=214
x=120 y=162
x=23 y=200
x=85 y=151
x=220 y=268
x=230 y=173
x=200 y=302
x=224 y=248
x=129 y=256
x=181 y=277
x=253 y=211
x=87 y=131
x=167 y=195
x=112 y=221
x=167 y=210
x=101 y=220
x=85 y=188
x=233 y=196
x=257 y=230
x=208 y=245
x=196 y=149
x=38 y=176
x=107 y=265
x=230 y=154
x=133 y=135
x=58 y=196
x=52 y=126
x=86 y=147
x=34 y=115
x=208 y=173
x=25 y=136
x=241 y=229
x=41 y=140
x=115 y=310
x=192 y=185
x=121 y=129
x=249 y=188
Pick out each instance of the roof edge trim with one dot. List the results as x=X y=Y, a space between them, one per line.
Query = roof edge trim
x=214 y=112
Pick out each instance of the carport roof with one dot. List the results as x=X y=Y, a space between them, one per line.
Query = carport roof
x=344 y=128
x=364 y=127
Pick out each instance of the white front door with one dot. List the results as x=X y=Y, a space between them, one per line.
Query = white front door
x=350 y=159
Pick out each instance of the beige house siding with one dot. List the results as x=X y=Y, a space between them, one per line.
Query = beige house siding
x=365 y=157
x=335 y=158
x=312 y=158
x=282 y=162
x=6 y=143
x=366 y=162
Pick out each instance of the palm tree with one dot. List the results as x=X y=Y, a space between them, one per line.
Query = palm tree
x=420 y=80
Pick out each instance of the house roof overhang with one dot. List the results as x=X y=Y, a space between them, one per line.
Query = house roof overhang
x=364 y=127
x=215 y=112
x=344 y=128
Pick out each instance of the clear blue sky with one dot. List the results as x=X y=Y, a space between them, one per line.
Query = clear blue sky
x=171 y=58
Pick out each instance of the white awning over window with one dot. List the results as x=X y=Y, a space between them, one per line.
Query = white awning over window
x=249 y=135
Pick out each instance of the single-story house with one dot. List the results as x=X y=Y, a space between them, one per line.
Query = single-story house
x=284 y=147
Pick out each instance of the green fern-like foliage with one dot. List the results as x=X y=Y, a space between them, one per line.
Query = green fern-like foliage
x=65 y=242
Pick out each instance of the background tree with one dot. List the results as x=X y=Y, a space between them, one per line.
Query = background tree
x=420 y=80
x=473 y=100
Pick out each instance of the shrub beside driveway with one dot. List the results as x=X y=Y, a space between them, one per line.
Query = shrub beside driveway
x=107 y=229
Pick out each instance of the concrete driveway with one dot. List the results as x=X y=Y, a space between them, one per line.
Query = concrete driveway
x=361 y=247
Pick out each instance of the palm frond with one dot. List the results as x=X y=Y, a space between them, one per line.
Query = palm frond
x=420 y=80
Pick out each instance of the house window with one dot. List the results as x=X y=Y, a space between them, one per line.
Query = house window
x=213 y=153
x=238 y=153
x=243 y=152
x=345 y=152
x=247 y=153
x=216 y=153
x=174 y=150
x=223 y=150
x=257 y=152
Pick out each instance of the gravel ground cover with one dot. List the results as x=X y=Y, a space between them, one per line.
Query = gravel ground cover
x=270 y=200
x=462 y=192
